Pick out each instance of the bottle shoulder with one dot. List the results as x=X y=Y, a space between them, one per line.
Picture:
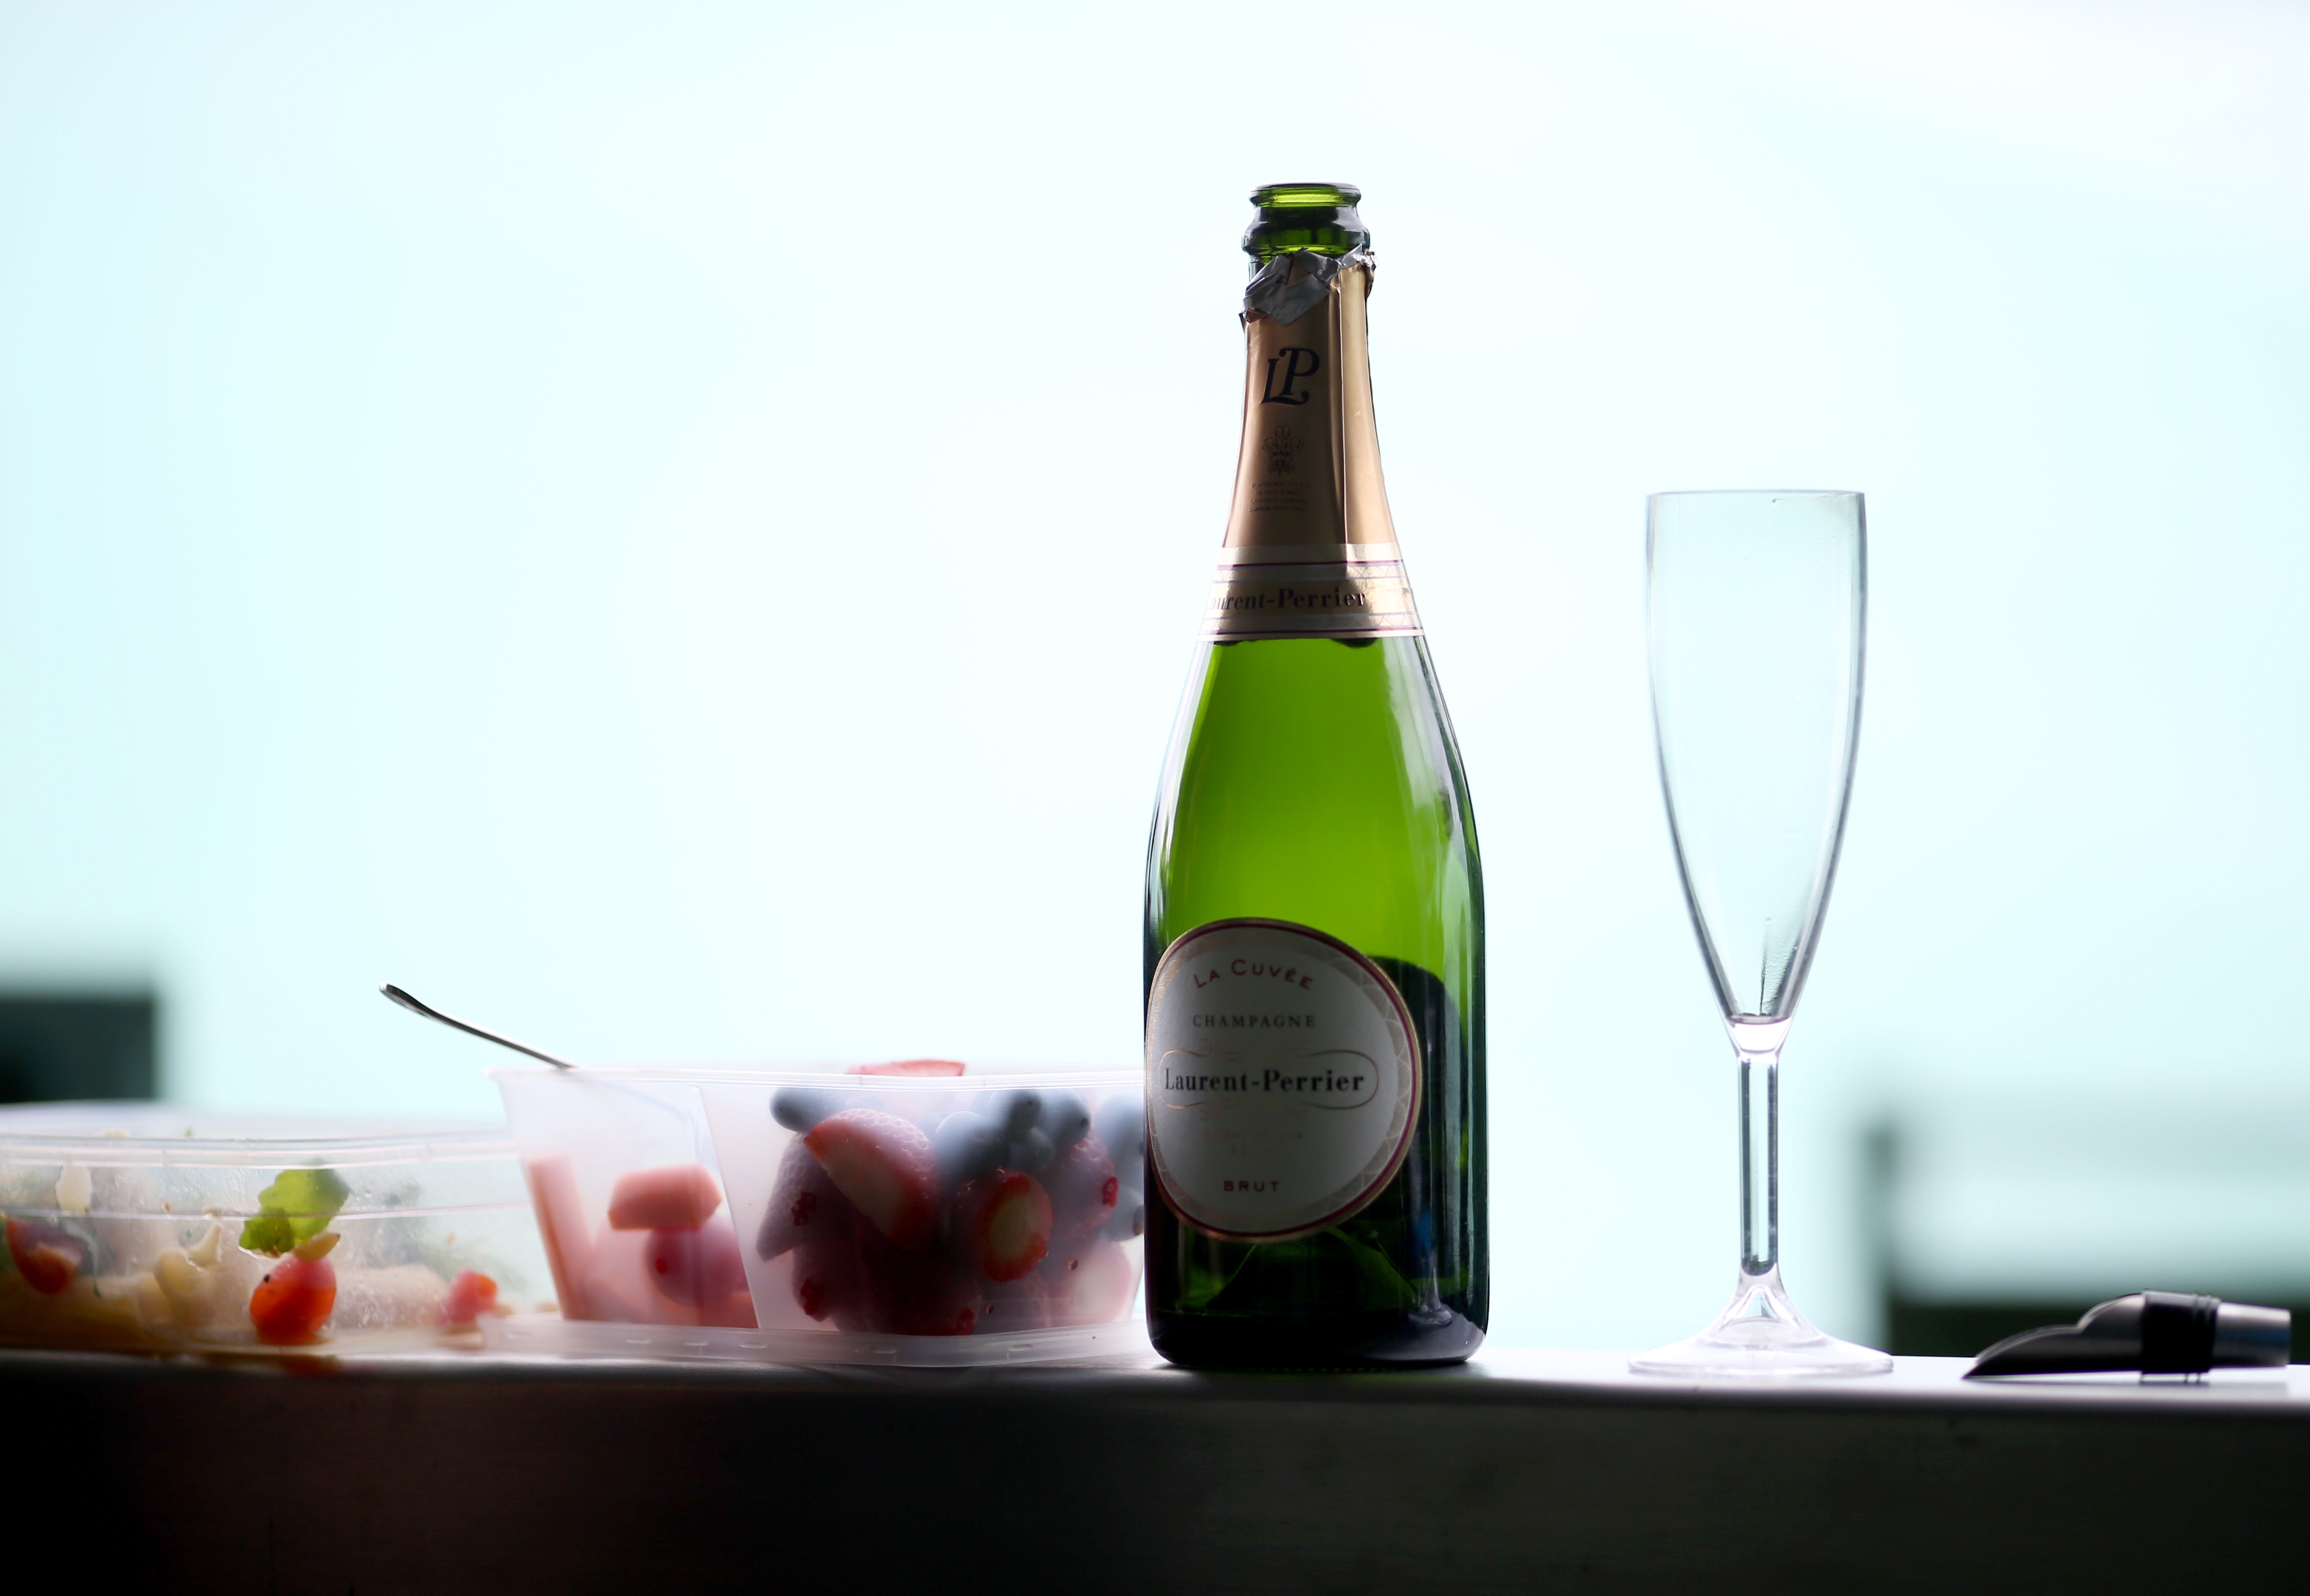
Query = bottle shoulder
x=1315 y=782
x=1360 y=719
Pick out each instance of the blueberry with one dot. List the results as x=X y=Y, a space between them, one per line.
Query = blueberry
x=1130 y=1218
x=1066 y=1119
x=967 y=1145
x=1031 y=1153
x=1019 y=1112
x=802 y=1108
x=1122 y=1124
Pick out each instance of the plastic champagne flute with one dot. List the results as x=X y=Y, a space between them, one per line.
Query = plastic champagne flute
x=1756 y=607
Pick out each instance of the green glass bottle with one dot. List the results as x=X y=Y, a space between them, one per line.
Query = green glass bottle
x=1315 y=904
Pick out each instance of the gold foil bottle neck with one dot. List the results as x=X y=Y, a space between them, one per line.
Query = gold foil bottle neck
x=1310 y=549
x=1308 y=472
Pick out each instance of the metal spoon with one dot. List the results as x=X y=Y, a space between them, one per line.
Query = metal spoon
x=471 y=1029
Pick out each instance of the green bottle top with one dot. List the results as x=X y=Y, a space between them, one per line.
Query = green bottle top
x=1320 y=217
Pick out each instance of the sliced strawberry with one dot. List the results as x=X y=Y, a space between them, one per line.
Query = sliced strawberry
x=1083 y=1189
x=294 y=1301
x=908 y=1066
x=826 y=1278
x=885 y=1166
x=804 y=1203
x=1003 y=1224
x=1090 y=1285
x=915 y=1293
x=47 y=1257
x=1023 y=1304
x=471 y=1294
x=697 y=1267
x=677 y=1197
x=1130 y=1218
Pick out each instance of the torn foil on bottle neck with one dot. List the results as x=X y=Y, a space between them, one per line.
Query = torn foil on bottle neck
x=1295 y=282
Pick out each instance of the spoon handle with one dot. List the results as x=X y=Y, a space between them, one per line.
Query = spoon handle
x=427 y=1010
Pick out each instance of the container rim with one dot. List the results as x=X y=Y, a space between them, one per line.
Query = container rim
x=827 y=1074
x=25 y=1137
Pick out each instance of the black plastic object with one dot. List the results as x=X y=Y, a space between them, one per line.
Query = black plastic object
x=2155 y=1332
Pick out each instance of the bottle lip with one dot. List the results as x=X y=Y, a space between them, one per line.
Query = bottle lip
x=1306 y=196
x=1319 y=217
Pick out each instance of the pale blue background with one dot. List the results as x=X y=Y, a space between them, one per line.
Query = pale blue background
x=675 y=529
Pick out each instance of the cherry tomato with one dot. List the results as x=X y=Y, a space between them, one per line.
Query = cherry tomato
x=471 y=1294
x=293 y=1301
x=47 y=1257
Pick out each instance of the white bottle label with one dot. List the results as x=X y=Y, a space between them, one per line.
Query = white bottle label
x=1283 y=1079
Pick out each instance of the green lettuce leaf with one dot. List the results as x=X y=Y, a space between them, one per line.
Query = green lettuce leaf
x=297 y=1206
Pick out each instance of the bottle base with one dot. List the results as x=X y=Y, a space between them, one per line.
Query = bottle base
x=1382 y=1340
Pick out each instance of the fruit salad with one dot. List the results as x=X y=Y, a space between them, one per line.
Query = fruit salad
x=664 y=1253
x=955 y=1212
x=116 y=1240
x=909 y=1199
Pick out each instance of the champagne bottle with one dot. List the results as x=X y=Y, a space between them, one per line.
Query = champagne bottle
x=1315 y=960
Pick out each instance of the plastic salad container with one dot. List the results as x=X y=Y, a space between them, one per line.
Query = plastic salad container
x=913 y=1212
x=148 y=1227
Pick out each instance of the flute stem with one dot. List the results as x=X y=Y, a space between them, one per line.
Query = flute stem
x=1760 y=1331
x=1758 y=1045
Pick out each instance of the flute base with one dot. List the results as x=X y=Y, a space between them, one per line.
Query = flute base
x=1760 y=1333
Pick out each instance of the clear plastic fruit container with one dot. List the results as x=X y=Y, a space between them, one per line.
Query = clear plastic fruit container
x=917 y=1212
x=149 y=1227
